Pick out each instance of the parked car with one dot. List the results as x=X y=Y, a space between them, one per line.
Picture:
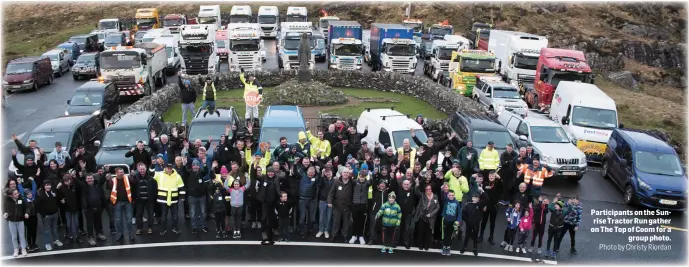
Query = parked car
x=499 y=96
x=71 y=131
x=114 y=40
x=87 y=65
x=479 y=128
x=86 y=42
x=27 y=73
x=648 y=170
x=279 y=121
x=93 y=97
x=73 y=51
x=58 y=60
x=212 y=125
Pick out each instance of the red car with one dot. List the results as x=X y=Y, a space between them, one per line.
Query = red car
x=27 y=73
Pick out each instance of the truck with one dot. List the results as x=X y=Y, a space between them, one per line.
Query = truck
x=439 y=30
x=110 y=24
x=198 y=51
x=555 y=65
x=174 y=61
x=516 y=55
x=245 y=46
x=466 y=67
x=392 y=48
x=416 y=24
x=479 y=35
x=323 y=27
x=269 y=18
x=137 y=70
x=240 y=14
x=290 y=38
x=296 y=14
x=146 y=19
x=222 y=43
x=462 y=41
x=441 y=53
x=173 y=22
x=345 y=45
x=210 y=15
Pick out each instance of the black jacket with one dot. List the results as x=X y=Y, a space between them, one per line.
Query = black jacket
x=52 y=176
x=508 y=170
x=46 y=203
x=15 y=209
x=386 y=160
x=187 y=95
x=407 y=199
x=26 y=170
x=146 y=188
x=324 y=186
x=355 y=139
x=158 y=149
x=493 y=192
x=269 y=190
x=342 y=151
x=540 y=213
x=194 y=187
x=86 y=157
x=92 y=196
x=71 y=196
x=218 y=202
x=283 y=210
x=429 y=151
x=139 y=156
x=341 y=194
x=557 y=218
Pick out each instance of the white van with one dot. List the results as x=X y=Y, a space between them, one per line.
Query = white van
x=587 y=114
x=152 y=34
x=174 y=60
x=389 y=128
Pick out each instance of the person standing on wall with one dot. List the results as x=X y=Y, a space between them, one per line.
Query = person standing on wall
x=188 y=96
x=209 y=94
x=251 y=86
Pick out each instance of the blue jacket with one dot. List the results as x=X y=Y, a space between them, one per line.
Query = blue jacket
x=20 y=188
x=307 y=186
x=572 y=214
x=452 y=211
x=514 y=216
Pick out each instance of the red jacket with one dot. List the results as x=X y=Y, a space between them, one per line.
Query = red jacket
x=526 y=221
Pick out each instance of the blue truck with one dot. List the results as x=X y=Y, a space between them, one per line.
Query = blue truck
x=392 y=48
x=345 y=45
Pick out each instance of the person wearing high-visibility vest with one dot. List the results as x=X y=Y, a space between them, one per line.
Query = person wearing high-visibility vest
x=320 y=147
x=406 y=156
x=489 y=159
x=120 y=189
x=209 y=95
x=535 y=174
x=170 y=192
x=251 y=85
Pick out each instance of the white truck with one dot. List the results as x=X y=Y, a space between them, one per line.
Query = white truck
x=269 y=18
x=462 y=41
x=288 y=48
x=245 y=45
x=136 y=71
x=210 y=15
x=240 y=14
x=152 y=34
x=441 y=53
x=324 y=25
x=198 y=50
x=110 y=24
x=173 y=22
x=296 y=14
x=174 y=60
x=516 y=54
x=346 y=54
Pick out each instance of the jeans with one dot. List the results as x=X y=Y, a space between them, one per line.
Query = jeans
x=173 y=210
x=187 y=108
x=307 y=214
x=17 y=231
x=72 y=223
x=50 y=228
x=126 y=207
x=197 y=207
x=208 y=104
x=325 y=216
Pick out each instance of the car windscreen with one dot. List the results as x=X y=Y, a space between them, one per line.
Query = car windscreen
x=86 y=98
x=220 y=43
x=267 y=19
x=273 y=134
x=594 y=117
x=658 y=163
x=203 y=130
x=113 y=39
x=124 y=138
x=399 y=137
x=120 y=60
x=52 y=57
x=500 y=138
x=506 y=92
x=78 y=40
x=108 y=25
x=86 y=59
x=244 y=45
x=46 y=141
x=548 y=134
x=19 y=68
x=347 y=50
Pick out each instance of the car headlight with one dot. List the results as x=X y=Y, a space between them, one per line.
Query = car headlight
x=28 y=81
x=583 y=159
x=500 y=107
x=97 y=112
x=4 y=82
x=66 y=113
x=643 y=185
x=574 y=139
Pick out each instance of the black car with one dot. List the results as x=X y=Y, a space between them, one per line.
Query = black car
x=87 y=66
x=479 y=128
x=212 y=125
x=93 y=97
x=71 y=131
x=123 y=135
x=87 y=42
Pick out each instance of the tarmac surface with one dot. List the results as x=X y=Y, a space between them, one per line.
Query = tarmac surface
x=25 y=111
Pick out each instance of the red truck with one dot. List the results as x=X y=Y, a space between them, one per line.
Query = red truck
x=479 y=35
x=555 y=65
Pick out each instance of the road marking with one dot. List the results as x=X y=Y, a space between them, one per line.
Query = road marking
x=674 y=228
x=207 y=243
x=18 y=137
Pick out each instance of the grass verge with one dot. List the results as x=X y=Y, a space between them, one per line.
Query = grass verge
x=16 y=45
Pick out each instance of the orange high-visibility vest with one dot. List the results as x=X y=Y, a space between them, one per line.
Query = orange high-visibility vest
x=113 y=193
x=537 y=175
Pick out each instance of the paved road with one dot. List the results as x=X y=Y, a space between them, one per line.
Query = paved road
x=25 y=111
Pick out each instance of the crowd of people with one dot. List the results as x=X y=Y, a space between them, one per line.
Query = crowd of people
x=330 y=185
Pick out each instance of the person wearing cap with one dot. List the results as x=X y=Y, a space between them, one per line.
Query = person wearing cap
x=268 y=195
x=555 y=227
x=145 y=198
x=139 y=154
x=342 y=150
x=468 y=159
x=420 y=120
x=308 y=182
x=391 y=218
x=471 y=215
x=197 y=190
x=489 y=159
x=320 y=147
x=360 y=206
x=379 y=197
x=251 y=85
x=303 y=144
x=209 y=93
x=159 y=164
x=120 y=188
x=535 y=175
x=188 y=97
x=406 y=156
x=430 y=148
x=457 y=182
x=170 y=192
x=81 y=155
x=340 y=200
x=59 y=154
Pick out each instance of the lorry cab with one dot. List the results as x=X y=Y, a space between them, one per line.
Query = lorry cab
x=246 y=48
x=646 y=169
x=27 y=73
x=389 y=128
x=461 y=41
x=555 y=65
x=324 y=25
x=465 y=67
x=110 y=24
x=173 y=22
x=241 y=14
x=499 y=96
x=58 y=60
x=171 y=42
x=222 y=43
x=587 y=114
x=281 y=121
x=153 y=34
x=296 y=14
x=139 y=36
x=415 y=24
x=147 y=18
x=516 y=54
x=441 y=53
x=289 y=42
x=269 y=18
x=479 y=35
x=210 y=15
x=73 y=51
x=439 y=30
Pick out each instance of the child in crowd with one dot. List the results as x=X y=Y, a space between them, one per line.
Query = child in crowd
x=15 y=212
x=540 y=213
x=284 y=211
x=472 y=214
x=572 y=211
x=452 y=215
x=391 y=216
x=236 y=207
x=524 y=228
x=47 y=207
x=513 y=216
x=31 y=223
x=219 y=205
x=557 y=222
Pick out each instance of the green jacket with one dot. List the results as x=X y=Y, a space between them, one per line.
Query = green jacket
x=391 y=214
x=465 y=163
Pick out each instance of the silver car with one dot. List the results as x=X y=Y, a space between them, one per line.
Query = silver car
x=499 y=96
x=58 y=60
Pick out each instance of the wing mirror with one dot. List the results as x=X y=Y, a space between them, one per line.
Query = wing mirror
x=565 y=120
x=624 y=163
x=69 y=101
x=96 y=143
x=523 y=138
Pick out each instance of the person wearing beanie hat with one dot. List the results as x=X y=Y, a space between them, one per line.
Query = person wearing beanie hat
x=159 y=164
x=188 y=97
x=197 y=183
x=451 y=216
x=360 y=209
x=420 y=120
x=471 y=215
x=303 y=144
x=268 y=194
x=557 y=223
x=379 y=197
x=391 y=214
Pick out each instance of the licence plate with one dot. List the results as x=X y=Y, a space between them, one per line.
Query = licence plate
x=668 y=202
x=569 y=173
x=16 y=86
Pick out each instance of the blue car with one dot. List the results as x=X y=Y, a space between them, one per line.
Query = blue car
x=648 y=170
x=281 y=121
x=320 y=50
x=73 y=51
